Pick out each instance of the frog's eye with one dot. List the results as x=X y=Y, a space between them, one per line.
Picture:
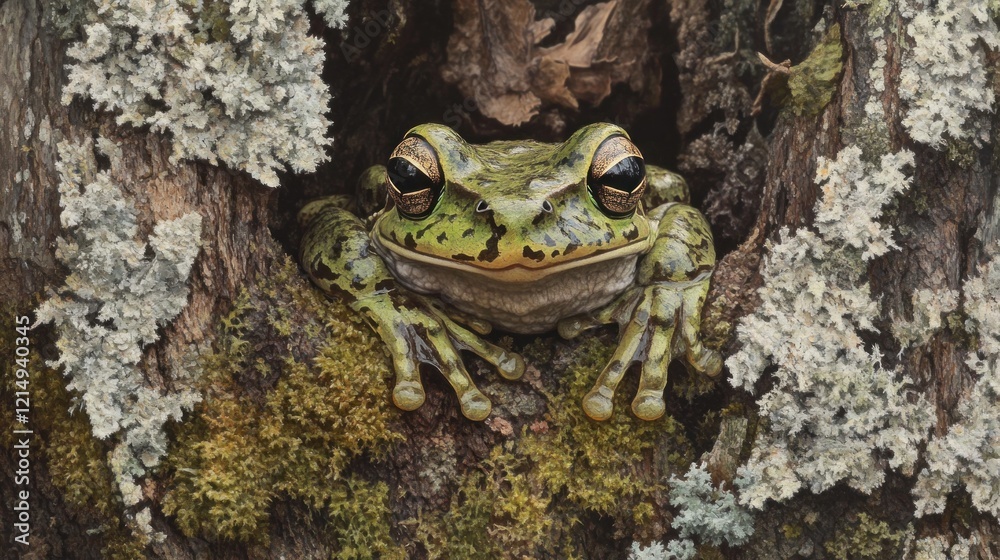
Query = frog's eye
x=617 y=176
x=414 y=177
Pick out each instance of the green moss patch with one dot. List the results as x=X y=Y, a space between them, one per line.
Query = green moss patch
x=296 y=394
x=536 y=492
x=813 y=82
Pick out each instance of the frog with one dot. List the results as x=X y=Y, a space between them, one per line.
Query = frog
x=452 y=240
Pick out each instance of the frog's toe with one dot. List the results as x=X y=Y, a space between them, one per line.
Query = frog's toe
x=704 y=360
x=475 y=405
x=408 y=395
x=598 y=403
x=649 y=405
x=571 y=327
x=699 y=357
x=509 y=364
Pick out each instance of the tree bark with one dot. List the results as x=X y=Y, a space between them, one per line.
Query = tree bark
x=236 y=244
x=689 y=99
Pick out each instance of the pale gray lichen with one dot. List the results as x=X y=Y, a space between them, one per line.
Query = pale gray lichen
x=834 y=413
x=928 y=308
x=676 y=550
x=944 y=78
x=708 y=514
x=333 y=11
x=113 y=301
x=877 y=9
x=969 y=454
x=937 y=548
x=238 y=82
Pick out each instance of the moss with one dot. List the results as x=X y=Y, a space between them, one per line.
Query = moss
x=869 y=538
x=877 y=9
x=717 y=330
x=533 y=493
x=791 y=531
x=598 y=464
x=962 y=153
x=463 y=531
x=75 y=462
x=500 y=512
x=124 y=548
x=813 y=82
x=254 y=441
x=361 y=522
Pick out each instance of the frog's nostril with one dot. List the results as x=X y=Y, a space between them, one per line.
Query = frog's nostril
x=483 y=206
x=546 y=206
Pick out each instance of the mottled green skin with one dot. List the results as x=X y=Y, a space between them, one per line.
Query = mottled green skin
x=514 y=179
x=511 y=214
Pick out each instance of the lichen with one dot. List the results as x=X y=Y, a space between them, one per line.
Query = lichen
x=708 y=514
x=238 y=82
x=868 y=538
x=333 y=11
x=938 y=548
x=835 y=413
x=944 y=76
x=968 y=454
x=929 y=306
x=675 y=550
x=813 y=82
x=66 y=16
x=112 y=304
x=73 y=461
x=328 y=407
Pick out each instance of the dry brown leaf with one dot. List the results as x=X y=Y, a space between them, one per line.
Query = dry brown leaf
x=495 y=59
x=549 y=83
x=580 y=48
x=487 y=56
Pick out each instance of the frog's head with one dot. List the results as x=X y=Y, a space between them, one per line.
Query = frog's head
x=514 y=211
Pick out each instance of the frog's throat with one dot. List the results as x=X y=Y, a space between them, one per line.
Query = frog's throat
x=516 y=272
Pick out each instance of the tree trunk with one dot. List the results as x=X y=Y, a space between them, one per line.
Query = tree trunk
x=236 y=215
x=295 y=450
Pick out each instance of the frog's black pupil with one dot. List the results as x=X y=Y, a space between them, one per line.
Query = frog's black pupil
x=406 y=177
x=626 y=175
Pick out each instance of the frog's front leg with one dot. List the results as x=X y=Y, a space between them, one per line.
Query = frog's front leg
x=337 y=254
x=660 y=318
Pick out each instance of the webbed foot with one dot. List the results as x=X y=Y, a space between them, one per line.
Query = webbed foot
x=415 y=332
x=658 y=323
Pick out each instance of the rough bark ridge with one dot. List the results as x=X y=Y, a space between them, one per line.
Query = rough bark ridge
x=272 y=463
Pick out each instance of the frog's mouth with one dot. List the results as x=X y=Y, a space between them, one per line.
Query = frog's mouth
x=518 y=272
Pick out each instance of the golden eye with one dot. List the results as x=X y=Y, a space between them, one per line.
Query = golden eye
x=415 y=177
x=617 y=176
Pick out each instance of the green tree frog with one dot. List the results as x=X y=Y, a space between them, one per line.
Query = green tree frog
x=527 y=237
